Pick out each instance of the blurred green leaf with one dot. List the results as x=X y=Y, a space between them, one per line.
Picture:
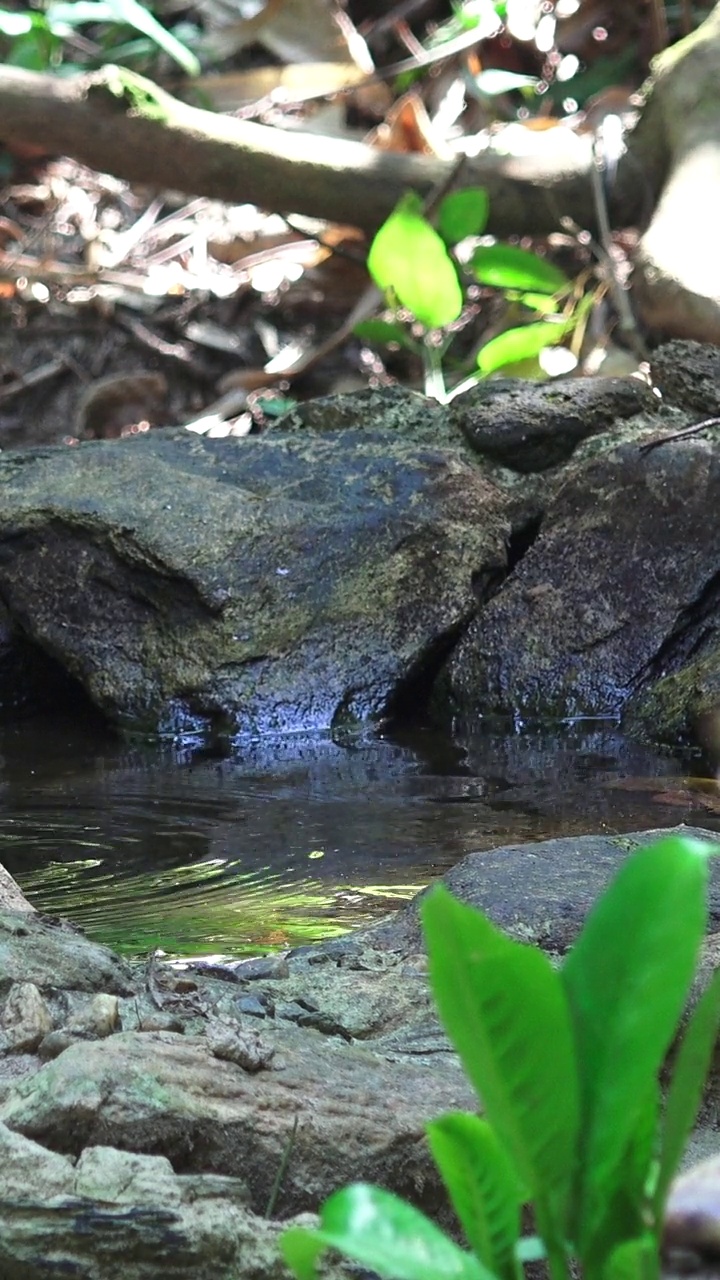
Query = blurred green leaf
x=66 y=16
x=483 y=1187
x=519 y=344
x=408 y=257
x=463 y=213
x=384 y=1233
x=129 y=13
x=690 y=1071
x=627 y=979
x=504 y=266
x=382 y=332
x=544 y=302
x=504 y=1008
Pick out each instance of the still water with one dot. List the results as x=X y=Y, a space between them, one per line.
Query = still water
x=297 y=839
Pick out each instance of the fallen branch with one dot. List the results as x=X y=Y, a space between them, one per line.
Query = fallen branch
x=119 y=123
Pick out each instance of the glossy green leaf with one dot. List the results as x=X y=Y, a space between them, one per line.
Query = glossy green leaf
x=504 y=1008
x=382 y=1232
x=626 y=981
x=483 y=1187
x=625 y=1210
x=463 y=213
x=636 y=1259
x=522 y=343
x=381 y=332
x=409 y=258
x=690 y=1072
x=504 y=266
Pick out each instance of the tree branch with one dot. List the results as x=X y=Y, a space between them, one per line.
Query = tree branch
x=120 y=123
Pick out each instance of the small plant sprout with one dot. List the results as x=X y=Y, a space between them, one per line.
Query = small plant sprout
x=418 y=269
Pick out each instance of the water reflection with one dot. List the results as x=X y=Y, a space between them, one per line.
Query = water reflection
x=297 y=838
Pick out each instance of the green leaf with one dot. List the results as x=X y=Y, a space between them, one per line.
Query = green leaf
x=381 y=332
x=690 y=1071
x=543 y=302
x=519 y=344
x=463 y=213
x=301 y=1249
x=504 y=266
x=408 y=257
x=382 y=1232
x=637 y=1259
x=626 y=981
x=483 y=1187
x=504 y=1008
x=626 y=1210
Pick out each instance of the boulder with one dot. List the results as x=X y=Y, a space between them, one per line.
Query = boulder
x=617 y=591
x=345 y=1113
x=116 y=1215
x=294 y=580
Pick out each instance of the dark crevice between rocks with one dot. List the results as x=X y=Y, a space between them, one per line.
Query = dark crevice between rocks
x=32 y=683
x=521 y=540
x=411 y=700
x=694 y=632
x=422 y=693
x=487 y=582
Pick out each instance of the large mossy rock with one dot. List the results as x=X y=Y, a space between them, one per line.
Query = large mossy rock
x=294 y=580
x=618 y=591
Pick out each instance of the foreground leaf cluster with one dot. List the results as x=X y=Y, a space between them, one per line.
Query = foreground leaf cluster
x=566 y=1062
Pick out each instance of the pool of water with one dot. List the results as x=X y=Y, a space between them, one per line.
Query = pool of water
x=297 y=839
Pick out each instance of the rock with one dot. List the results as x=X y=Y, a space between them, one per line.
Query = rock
x=25 y=1018
x=97 y=1019
x=279 y=582
x=531 y=426
x=12 y=897
x=538 y=893
x=688 y=375
x=54 y=955
x=245 y=1048
x=616 y=592
x=121 y=1216
x=358 y=1117
x=692 y=1217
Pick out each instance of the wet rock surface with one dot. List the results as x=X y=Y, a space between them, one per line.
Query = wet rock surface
x=323 y=573
x=618 y=590
x=279 y=582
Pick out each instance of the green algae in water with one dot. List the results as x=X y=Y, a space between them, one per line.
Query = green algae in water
x=173 y=910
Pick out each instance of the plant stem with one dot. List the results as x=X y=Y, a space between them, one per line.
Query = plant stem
x=434 y=380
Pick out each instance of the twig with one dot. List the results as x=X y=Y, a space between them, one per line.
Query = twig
x=282 y=1169
x=604 y=250
x=680 y=435
x=31 y=379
